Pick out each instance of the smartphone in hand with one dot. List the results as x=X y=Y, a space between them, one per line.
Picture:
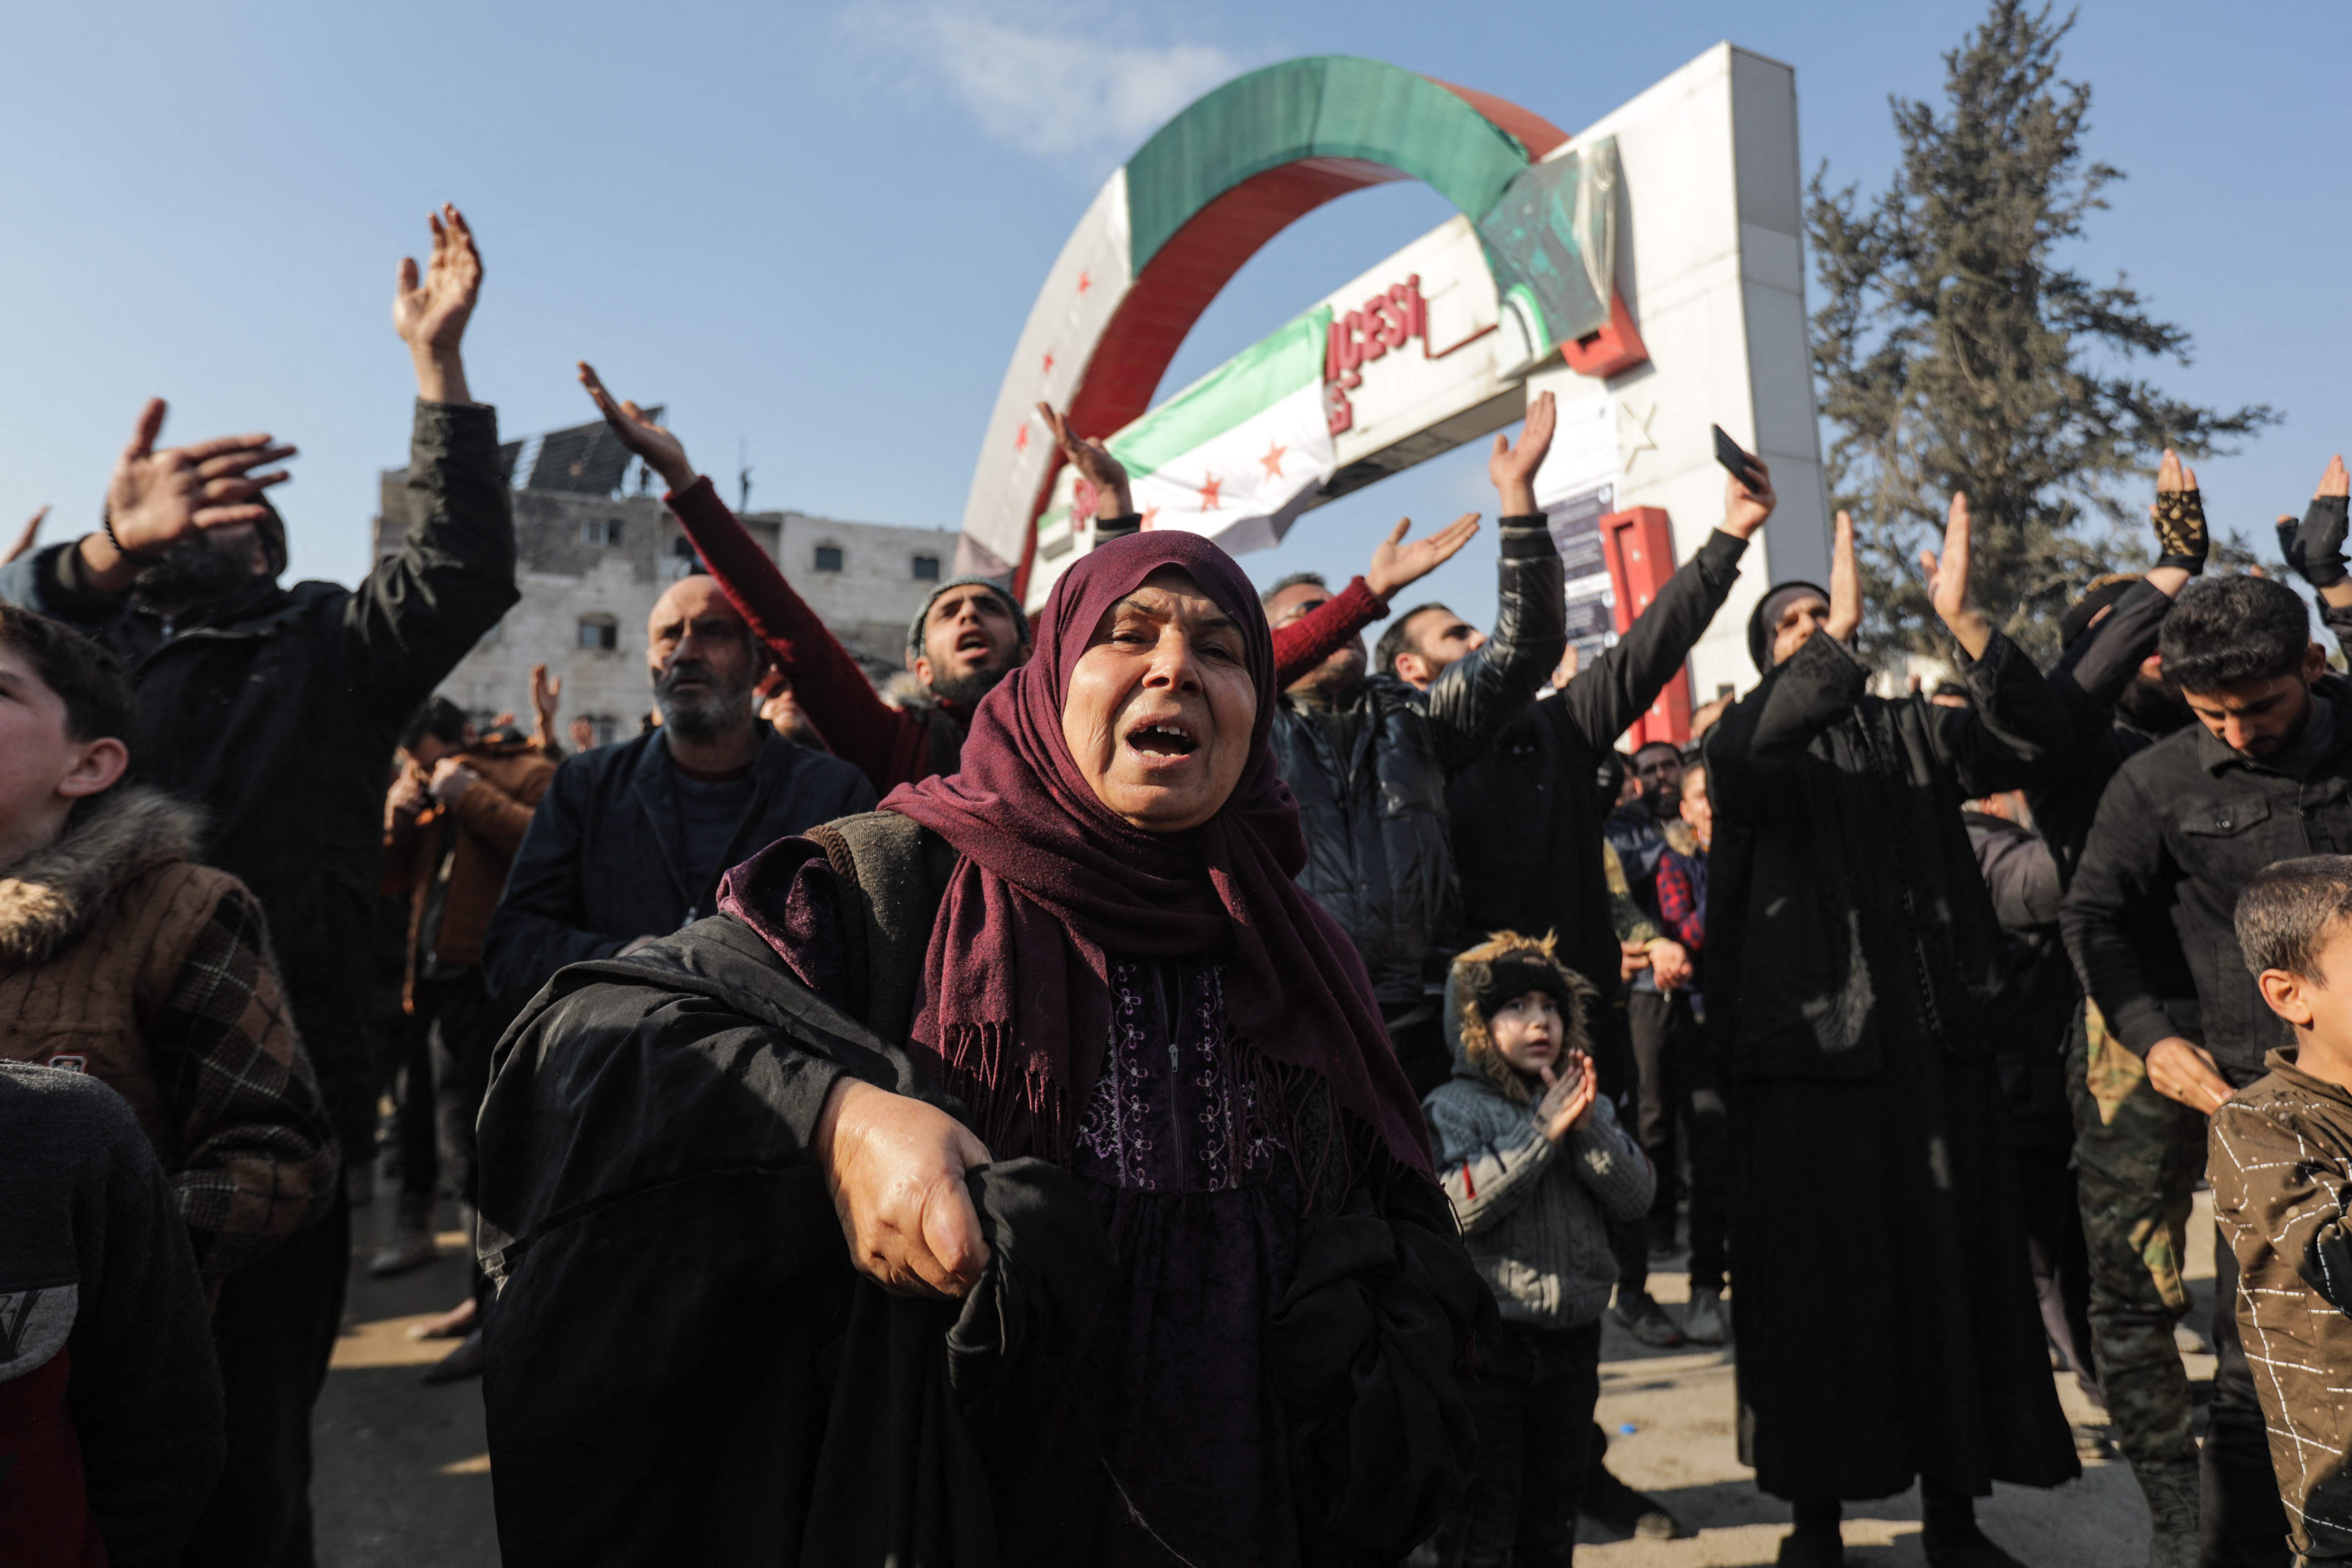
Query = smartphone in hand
x=1730 y=454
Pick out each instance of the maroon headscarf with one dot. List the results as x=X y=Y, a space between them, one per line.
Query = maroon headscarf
x=1016 y=1003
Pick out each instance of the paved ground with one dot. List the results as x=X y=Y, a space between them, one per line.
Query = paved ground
x=1681 y=1451
x=403 y=1472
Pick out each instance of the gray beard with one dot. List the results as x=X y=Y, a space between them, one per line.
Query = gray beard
x=704 y=716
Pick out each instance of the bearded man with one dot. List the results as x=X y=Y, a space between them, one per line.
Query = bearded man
x=630 y=840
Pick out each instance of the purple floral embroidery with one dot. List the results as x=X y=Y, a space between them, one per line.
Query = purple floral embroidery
x=1172 y=1109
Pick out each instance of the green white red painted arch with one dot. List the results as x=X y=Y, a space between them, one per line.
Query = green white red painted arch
x=1170 y=228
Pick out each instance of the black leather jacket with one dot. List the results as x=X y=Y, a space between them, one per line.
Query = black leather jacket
x=1379 y=855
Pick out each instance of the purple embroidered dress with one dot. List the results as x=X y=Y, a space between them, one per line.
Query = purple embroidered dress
x=1200 y=1200
x=1201 y=1209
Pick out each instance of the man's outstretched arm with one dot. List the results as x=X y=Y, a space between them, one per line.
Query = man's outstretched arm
x=425 y=608
x=1618 y=688
x=888 y=746
x=155 y=498
x=1300 y=645
x=1471 y=701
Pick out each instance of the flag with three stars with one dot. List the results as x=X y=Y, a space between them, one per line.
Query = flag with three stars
x=1239 y=454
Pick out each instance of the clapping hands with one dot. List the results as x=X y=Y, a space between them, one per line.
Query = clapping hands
x=1568 y=1096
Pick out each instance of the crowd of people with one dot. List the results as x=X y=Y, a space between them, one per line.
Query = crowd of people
x=1165 y=1083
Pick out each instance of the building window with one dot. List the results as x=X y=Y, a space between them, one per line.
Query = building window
x=828 y=557
x=683 y=561
x=606 y=727
x=599 y=634
x=599 y=531
x=926 y=568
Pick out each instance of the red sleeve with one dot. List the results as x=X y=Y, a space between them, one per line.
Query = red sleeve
x=888 y=746
x=1322 y=631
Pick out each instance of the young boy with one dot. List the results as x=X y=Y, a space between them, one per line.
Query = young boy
x=2281 y=1165
x=121 y=958
x=1537 y=1166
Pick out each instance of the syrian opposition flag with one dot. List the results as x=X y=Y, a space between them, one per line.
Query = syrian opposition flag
x=1238 y=454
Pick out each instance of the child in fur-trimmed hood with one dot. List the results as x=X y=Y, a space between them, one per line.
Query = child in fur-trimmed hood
x=1537 y=1166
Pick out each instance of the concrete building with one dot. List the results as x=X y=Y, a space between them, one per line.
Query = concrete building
x=592 y=560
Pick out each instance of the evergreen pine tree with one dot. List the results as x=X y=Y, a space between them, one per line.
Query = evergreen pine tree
x=1953 y=352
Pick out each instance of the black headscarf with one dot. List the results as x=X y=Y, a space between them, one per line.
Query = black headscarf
x=1767 y=616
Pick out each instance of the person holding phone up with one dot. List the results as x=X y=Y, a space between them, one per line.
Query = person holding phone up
x=1537 y=1166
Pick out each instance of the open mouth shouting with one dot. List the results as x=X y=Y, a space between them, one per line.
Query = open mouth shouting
x=1162 y=741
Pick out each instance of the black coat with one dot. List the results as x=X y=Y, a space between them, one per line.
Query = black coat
x=1527 y=817
x=603 y=861
x=277 y=710
x=1887 y=1325
x=2087 y=680
x=1378 y=853
x=684 y=1367
x=2033 y=1013
x=2184 y=826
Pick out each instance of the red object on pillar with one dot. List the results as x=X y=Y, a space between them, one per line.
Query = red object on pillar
x=1615 y=347
x=1638 y=547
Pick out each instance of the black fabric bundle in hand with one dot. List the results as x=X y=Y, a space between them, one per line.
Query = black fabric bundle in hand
x=1363 y=1351
x=953 y=1438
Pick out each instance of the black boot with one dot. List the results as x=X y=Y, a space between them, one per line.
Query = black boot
x=1815 y=1542
x=1610 y=1501
x=1952 y=1539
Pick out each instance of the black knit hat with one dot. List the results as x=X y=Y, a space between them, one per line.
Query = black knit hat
x=915 y=626
x=1766 y=615
x=1517 y=973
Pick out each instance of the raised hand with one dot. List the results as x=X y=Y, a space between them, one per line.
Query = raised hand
x=430 y=315
x=1102 y=473
x=546 y=692
x=1947 y=582
x=1513 y=469
x=1845 y=584
x=157 y=498
x=26 y=540
x=2316 y=548
x=663 y=452
x=2179 y=513
x=1747 y=502
x=1397 y=565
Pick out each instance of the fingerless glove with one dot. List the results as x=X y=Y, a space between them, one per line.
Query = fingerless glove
x=2180 y=529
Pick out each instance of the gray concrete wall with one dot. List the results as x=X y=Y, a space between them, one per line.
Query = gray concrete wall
x=568 y=574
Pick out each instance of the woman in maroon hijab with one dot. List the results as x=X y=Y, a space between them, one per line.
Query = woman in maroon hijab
x=1085 y=948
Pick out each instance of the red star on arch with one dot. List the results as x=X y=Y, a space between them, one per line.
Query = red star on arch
x=1210 y=485
x=1085 y=282
x=1020 y=439
x=1271 y=461
x=1049 y=361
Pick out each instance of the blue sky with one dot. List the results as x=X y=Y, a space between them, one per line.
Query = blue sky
x=816 y=230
